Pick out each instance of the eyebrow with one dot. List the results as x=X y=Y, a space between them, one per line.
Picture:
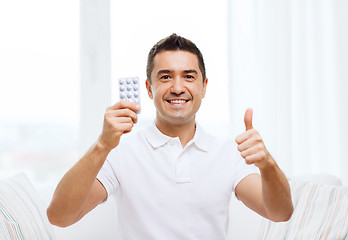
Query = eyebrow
x=162 y=71
x=190 y=71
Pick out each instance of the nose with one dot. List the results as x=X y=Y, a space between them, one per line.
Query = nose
x=178 y=86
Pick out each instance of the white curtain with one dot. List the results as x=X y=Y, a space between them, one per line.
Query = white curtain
x=288 y=60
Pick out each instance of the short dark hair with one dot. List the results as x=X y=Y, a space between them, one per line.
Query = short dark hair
x=172 y=43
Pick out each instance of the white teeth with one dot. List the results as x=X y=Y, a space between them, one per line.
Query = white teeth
x=177 y=101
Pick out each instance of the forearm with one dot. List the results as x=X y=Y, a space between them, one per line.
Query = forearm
x=73 y=190
x=276 y=194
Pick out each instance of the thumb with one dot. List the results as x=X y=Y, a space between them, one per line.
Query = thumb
x=248 y=119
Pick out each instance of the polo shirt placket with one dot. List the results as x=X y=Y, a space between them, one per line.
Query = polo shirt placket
x=182 y=164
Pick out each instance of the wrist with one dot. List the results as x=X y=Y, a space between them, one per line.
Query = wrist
x=102 y=146
x=268 y=164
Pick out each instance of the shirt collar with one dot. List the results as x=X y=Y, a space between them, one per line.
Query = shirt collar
x=155 y=137
x=158 y=139
x=201 y=139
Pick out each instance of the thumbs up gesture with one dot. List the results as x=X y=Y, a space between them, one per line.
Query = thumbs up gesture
x=250 y=143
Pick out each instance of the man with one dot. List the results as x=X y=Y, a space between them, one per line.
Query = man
x=172 y=181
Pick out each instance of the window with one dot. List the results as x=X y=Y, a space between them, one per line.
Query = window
x=39 y=89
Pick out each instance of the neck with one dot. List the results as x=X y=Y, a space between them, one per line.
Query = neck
x=185 y=131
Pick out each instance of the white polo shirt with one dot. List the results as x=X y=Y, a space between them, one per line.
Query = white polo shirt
x=166 y=192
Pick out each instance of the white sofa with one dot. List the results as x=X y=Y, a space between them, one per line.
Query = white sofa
x=308 y=193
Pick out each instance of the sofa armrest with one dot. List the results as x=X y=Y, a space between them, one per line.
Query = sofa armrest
x=22 y=212
x=320 y=212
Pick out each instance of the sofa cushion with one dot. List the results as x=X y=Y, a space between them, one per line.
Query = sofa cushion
x=22 y=213
x=320 y=212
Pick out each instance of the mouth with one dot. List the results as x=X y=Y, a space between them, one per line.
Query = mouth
x=177 y=101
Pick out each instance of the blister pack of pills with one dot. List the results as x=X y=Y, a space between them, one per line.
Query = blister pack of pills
x=129 y=89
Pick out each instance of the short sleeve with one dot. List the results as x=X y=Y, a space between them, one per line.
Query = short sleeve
x=241 y=169
x=107 y=178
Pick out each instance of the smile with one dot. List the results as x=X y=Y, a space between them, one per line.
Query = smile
x=177 y=101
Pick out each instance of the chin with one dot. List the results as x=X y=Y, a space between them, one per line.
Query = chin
x=181 y=119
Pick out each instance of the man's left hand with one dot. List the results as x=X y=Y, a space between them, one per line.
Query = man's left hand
x=251 y=145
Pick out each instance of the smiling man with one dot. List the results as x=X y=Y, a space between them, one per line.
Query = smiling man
x=172 y=180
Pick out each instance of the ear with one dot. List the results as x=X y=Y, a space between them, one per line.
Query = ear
x=205 y=83
x=149 y=89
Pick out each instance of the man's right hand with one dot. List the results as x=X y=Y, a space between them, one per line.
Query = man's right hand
x=118 y=119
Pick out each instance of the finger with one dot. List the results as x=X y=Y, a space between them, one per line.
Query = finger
x=127 y=113
x=122 y=124
x=252 y=150
x=122 y=113
x=124 y=120
x=249 y=139
x=243 y=137
x=252 y=133
x=125 y=104
x=255 y=158
x=245 y=145
x=126 y=127
x=248 y=119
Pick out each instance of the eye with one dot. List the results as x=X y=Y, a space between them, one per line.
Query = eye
x=190 y=77
x=165 y=77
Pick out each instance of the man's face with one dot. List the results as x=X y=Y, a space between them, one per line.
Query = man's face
x=177 y=87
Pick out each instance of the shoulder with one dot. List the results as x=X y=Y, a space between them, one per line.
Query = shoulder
x=222 y=144
x=128 y=143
